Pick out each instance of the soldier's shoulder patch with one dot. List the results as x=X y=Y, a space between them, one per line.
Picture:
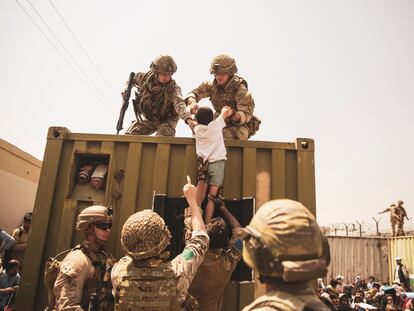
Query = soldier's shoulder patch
x=187 y=254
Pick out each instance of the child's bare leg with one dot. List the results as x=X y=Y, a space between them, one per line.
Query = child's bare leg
x=210 y=204
x=201 y=192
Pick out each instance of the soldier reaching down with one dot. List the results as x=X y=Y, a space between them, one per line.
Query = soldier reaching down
x=159 y=103
x=228 y=89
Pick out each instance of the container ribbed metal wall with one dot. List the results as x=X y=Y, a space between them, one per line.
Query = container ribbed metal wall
x=402 y=247
x=365 y=256
x=263 y=170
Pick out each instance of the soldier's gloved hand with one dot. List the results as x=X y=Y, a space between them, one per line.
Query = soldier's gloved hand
x=193 y=108
x=190 y=191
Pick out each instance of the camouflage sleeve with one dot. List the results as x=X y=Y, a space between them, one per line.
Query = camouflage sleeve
x=179 y=104
x=245 y=104
x=234 y=253
x=119 y=270
x=137 y=81
x=73 y=274
x=186 y=264
x=203 y=91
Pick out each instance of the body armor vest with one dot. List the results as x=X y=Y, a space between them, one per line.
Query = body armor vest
x=155 y=100
x=101 y=280
x=226 y=96
x=148 y=287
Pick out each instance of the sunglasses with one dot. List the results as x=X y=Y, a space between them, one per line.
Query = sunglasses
x=104 y=225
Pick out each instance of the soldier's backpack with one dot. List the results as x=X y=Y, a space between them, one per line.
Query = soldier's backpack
x=51 y=271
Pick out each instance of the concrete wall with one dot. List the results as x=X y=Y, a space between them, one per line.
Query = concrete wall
x=19 y=175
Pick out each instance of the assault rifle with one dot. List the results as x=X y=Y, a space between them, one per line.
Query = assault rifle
x=125 y=102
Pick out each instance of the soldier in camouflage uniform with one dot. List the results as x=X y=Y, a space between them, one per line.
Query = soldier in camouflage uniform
x=145 y=279
x=86 y=269
x=402 y=213
x=394 y=217
x=286 y=247
x=228 y=89
x=159 y=103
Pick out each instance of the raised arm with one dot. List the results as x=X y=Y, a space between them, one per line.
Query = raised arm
x=230 y=219
x=190 y=194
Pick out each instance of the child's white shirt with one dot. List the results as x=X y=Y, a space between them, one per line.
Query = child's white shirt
x=209 y=140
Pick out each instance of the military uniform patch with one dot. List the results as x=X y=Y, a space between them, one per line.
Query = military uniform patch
x=187 y=254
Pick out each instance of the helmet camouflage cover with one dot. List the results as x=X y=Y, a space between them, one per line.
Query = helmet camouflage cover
x=164 y=63
x=92 y=214
x=292 y=237
x=223 y=64
x=145 y=235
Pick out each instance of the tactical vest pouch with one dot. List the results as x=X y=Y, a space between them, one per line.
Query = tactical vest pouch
x=253 y=125
x=50 y=275
x=149 y=288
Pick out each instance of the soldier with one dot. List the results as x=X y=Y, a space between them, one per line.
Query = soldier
x=401 y=212
x=220 y=261
x=159 y=103
x=228 y=89
x=394 y=217
x=85 y=271
x=286 y=247
x=145 y=279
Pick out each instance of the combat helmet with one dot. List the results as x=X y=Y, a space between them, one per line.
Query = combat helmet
x=223 y=64
x=284 y=241
x=164 y=63
x=145 y=235
x=93 y=214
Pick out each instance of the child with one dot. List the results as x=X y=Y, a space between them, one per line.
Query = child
x=210 y=148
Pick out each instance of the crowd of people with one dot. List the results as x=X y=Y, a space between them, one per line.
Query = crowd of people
x=362 y=295
x=12 y=249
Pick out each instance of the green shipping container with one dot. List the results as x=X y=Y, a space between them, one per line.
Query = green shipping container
x=146 y=172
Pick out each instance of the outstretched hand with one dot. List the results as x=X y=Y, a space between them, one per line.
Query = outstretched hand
x=190 y=191
x=227 y=111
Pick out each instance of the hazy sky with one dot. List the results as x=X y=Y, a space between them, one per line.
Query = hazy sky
x=340 y=72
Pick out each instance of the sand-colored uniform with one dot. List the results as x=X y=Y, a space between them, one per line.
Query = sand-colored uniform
x=81 y=273
x=235 y=95
x=394 y=218
x=215 y=272
x=158 y=285
x=160 y=106
x=289 y=297
x=400 y=214
x=21 y=237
